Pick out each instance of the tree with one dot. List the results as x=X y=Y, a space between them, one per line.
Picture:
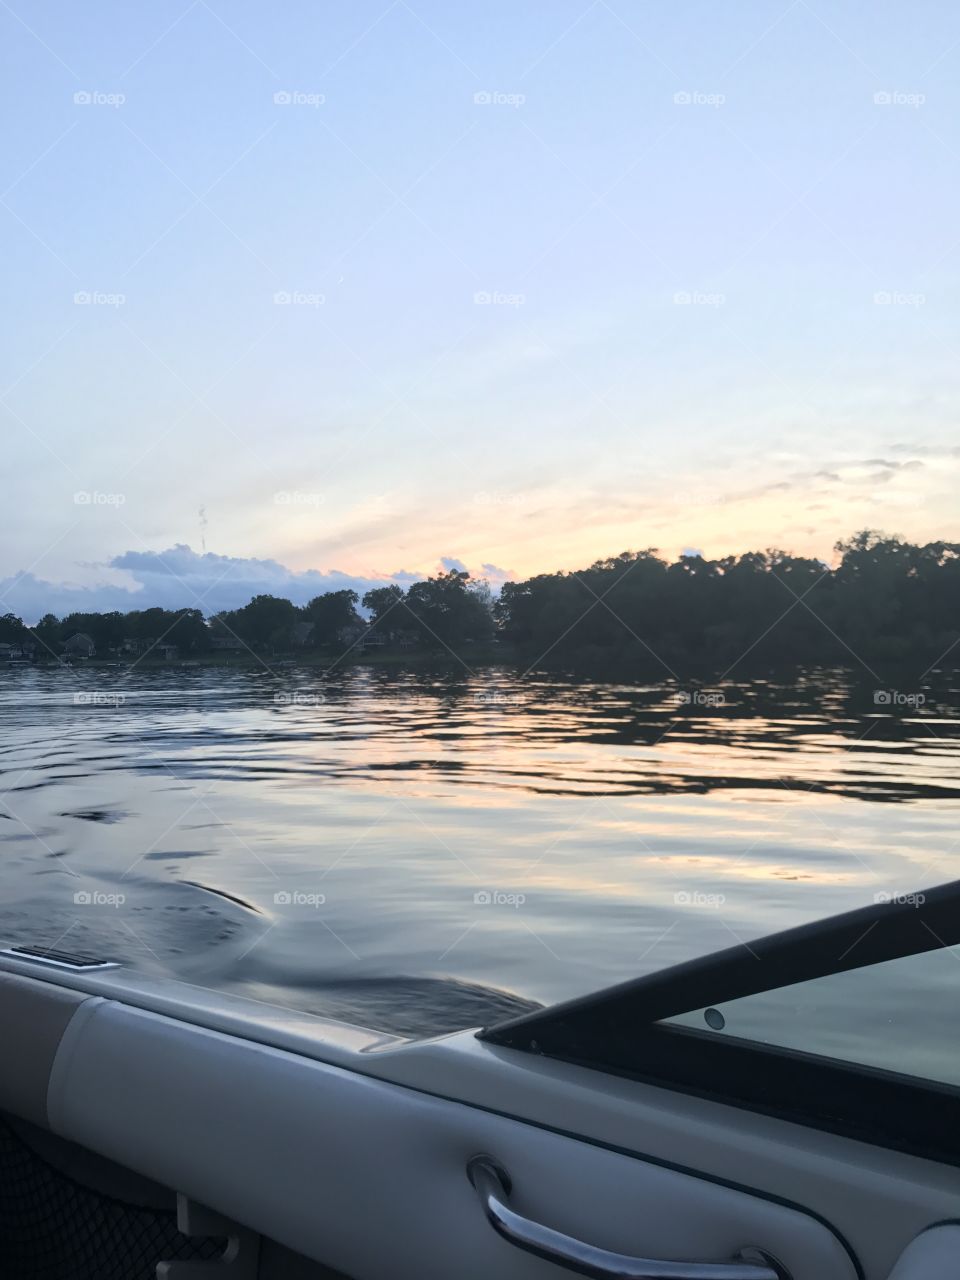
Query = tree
x=48 y=633
x=189 y=631
x=444 y=609
x=185 y=628
x=265 y=623
x=12 y=630
x=330 y=613
x=383 y=601
x=106 y=630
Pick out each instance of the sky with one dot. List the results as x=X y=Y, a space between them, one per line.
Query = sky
x=310 y=295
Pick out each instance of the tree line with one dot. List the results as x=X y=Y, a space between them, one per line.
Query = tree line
x=884 y=599
x=446 y=610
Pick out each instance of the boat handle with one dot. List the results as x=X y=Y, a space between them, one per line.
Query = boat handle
x=492 y=1184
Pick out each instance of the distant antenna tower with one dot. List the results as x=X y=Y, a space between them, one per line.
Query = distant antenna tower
x=203 y=529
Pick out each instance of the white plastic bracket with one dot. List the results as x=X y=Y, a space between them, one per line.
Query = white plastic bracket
x=239 y=1261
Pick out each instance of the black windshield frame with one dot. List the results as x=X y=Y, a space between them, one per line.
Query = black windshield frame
x=621 y=1030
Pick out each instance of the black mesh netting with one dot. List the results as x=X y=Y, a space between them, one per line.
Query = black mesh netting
x=52 y=1228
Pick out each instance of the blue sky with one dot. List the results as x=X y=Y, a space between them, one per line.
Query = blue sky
x=349 y=288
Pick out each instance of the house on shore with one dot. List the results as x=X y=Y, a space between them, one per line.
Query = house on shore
x=352 y=634
x=363 y=637
x=228 y=641
x=138 y=647
x=79 y=645
x=18 y=651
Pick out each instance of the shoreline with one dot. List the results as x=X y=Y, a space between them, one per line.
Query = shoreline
x=614 y=668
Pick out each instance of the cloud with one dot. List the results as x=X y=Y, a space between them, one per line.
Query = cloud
x=927 y=451
x=496 y=576
x=181 y=578
x=178 y=578
x=491 y=572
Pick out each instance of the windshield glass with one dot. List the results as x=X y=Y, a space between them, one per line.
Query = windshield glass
x=480 y=520
x=899 y=1015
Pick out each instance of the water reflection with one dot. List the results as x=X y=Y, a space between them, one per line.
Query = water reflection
x=613 y=828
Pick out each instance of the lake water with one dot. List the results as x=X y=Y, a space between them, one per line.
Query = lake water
x=424 y=850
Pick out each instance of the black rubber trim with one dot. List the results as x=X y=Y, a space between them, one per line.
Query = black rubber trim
x=942 y=1222
x=871 y=1105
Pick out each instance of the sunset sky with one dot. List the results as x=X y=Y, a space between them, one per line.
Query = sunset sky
x=314 y=293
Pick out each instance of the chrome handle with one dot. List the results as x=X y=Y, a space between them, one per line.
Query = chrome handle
x=493 y=1186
